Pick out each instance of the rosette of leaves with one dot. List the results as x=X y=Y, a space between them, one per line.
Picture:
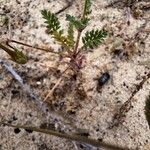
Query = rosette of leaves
x=90 y=40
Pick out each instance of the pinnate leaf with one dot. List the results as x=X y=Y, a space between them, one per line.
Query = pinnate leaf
x=93 y=38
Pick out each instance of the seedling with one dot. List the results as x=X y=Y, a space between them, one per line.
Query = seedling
x=71 y=48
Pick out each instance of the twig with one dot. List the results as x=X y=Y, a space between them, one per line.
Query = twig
x=119 y=117
x=71 y=137
x=52 y=90
x=56 y=85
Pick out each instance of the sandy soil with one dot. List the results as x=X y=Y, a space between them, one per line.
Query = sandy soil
x=77 y=99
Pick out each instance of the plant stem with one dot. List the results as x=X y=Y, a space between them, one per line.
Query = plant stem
x=35 y=47
x=47 y=50
x=77 y=43
x=78 y=36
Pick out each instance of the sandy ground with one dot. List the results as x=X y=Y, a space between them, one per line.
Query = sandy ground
x=78 y=99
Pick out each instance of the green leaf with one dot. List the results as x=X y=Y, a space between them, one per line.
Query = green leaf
x=85 y=22
x=93 y=38
x=19 y=57
x=79 y=24
x=73 y=21
x=53 y=26
x=52 y=21
x=16 y=55
x=87 y=8
x=147 y=110
x=63 y=40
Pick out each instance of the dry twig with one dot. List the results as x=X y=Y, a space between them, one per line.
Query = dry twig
x=73 y=137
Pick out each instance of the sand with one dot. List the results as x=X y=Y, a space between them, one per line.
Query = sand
x=79 y=100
